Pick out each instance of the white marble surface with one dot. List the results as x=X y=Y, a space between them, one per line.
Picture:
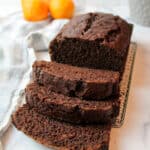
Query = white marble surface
x=135 y=133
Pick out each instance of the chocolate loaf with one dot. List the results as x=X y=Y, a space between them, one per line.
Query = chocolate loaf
x=93 y=40
x=76 y=81
x=69 y=109
x=59 y=135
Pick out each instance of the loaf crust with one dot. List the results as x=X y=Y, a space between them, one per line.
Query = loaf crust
x=93 y=40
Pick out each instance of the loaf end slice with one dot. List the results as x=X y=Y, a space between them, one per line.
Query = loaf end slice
x=59 y=135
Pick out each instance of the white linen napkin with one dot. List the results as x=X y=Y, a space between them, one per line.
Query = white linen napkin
x=18 y=35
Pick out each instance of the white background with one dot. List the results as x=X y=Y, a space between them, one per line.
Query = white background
x=9 y=6
x=135 y=133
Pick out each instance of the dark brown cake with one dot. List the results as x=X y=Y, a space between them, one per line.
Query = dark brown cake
x=59 y=135
x=69 y=109
x=76 y=81
x=93 y=40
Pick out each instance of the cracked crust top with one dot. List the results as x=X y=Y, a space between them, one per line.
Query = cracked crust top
x=108 y=29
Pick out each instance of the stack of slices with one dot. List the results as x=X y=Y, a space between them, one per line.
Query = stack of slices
x=73 y=100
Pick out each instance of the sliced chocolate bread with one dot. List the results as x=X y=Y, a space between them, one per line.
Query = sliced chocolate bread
x=93 y=40
x=76 y=81
x=59 y=135
x=69 y=109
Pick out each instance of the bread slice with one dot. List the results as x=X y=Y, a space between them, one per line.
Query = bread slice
x=59 y=135
x=69 y=109
x=75 y=81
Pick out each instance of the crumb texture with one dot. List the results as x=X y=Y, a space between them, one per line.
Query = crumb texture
x=61 y=135
x=69 y=109
x=75 y=81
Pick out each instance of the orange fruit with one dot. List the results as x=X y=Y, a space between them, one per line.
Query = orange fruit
x=61 y=8
x=35 y=10
x=46 y=2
